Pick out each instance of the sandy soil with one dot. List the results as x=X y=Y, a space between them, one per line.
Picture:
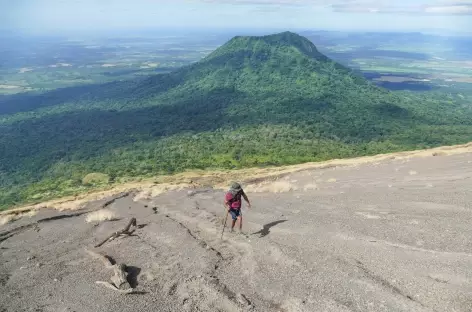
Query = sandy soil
x=390 y=235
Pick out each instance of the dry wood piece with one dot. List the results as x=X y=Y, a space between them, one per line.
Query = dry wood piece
x=124 y=231
x=119 y=281
x=114 y=198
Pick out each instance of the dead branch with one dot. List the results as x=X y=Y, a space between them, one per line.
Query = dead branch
x=119 y=281
x=120 y=277
x=116 y=197
x=124 y=231
x=110 y=285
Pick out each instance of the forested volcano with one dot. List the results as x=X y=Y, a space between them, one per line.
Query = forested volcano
x=254 y=101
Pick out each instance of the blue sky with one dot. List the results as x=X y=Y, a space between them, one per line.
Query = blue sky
x=100 y=15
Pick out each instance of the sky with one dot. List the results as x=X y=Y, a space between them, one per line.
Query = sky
x=47 y=16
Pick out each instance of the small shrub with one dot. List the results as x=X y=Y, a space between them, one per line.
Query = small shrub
x=101 y=215
x=96 y=178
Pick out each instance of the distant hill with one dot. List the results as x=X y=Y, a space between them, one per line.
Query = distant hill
x=255 y=101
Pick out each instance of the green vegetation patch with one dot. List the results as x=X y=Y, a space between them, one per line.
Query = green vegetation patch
x=255 y=101
x=96 y=179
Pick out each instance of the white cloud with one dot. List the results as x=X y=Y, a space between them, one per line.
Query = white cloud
x=450 y=9
x=444 y=7
x=94 y=15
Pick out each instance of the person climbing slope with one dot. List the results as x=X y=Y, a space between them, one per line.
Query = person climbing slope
x=233 y=203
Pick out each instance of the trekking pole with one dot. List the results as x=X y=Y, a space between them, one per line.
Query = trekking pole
x=224 y=226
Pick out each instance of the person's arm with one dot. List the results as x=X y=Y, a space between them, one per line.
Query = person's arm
x=246 y=199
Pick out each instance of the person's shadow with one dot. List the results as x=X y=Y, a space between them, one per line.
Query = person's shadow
x=266 y=228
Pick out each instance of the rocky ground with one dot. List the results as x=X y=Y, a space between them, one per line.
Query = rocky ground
x=386 y=236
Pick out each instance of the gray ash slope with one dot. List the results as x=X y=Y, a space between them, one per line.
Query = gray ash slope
x=391 y=236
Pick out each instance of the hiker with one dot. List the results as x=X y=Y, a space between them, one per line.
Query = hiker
x=233 y=203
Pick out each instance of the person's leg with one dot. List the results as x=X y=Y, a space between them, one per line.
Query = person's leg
x=233 y=224
x=240 y=222
x=234 y=218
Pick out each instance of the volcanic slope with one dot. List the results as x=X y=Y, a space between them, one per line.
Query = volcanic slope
x=254 y=101
x=390 y=235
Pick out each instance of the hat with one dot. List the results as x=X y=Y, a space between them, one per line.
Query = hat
x=235 y=186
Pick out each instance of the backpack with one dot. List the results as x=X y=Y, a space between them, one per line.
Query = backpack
x=234 y=197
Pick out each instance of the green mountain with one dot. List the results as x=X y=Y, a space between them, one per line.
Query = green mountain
x=255 y=101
